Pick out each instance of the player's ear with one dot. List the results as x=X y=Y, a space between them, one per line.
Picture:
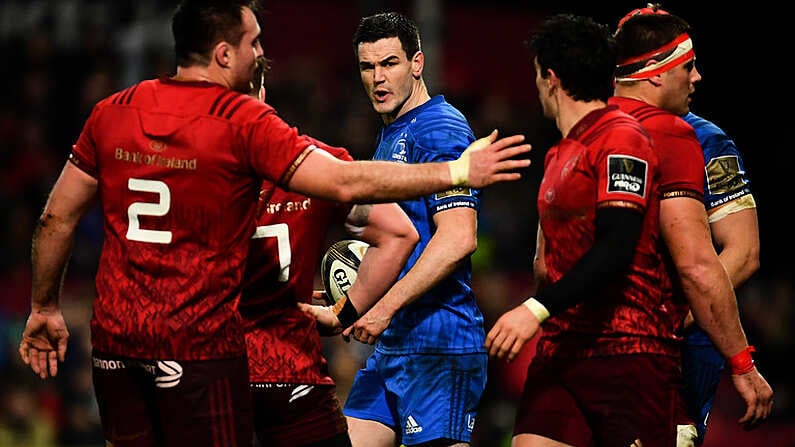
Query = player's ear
x=417 y=64
x=552 y=80
x=656 y=80
x=222 y=54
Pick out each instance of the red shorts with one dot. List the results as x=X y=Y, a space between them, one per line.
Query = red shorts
x=605 y=401
x=146 y=403
x=290 y=415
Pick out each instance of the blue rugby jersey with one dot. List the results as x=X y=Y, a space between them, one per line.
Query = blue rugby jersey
x=447 y=318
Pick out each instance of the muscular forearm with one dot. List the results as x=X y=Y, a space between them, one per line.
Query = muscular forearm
x=740 y=266
x=52 y=242
x=714 y=307
x=706 y=284
x=441 y=257
x=736 y=237
x=378 y=271
x=380 y=181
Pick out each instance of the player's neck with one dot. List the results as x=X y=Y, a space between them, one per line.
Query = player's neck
x=637 y=93
x=419 y=96
x=199 y=74
x=570 y=112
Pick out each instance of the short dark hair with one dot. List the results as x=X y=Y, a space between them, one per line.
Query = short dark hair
x=580 y=51
x=385 y=25
x=198 y=25
x=644 y=33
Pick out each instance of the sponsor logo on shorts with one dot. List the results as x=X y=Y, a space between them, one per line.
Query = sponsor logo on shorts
x=300 y=391
x=169 y=373
x=412 y=427
x=470 y=422
x=108 y=365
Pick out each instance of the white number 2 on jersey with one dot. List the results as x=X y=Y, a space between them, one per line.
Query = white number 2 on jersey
x=135 y=232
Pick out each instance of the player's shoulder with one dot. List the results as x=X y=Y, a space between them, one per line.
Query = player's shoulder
x=654 y=118
x=609 y=124
x=699 y=122
x=125 y=96
x=240 y=108
x=336 y=151
x=437 y=120
x=616 y=119
x=706 y=130
x=165 y=95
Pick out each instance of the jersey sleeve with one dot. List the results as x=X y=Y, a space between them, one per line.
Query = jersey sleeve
x=726 y=187
x=84 y=154
x=275 y=149
x=681 y=160
x=624 y=167
x=446 y=143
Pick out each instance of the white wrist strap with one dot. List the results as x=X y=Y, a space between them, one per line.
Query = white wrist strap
x=537 y=309
x=459 y=170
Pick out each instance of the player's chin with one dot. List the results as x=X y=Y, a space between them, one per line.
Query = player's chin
x=383 y=107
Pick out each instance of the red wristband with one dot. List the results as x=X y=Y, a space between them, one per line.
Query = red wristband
x=742 y=362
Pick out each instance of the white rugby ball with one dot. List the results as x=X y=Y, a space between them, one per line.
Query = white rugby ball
x=340 y=266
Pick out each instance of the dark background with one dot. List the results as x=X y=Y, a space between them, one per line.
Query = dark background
x=61 y=57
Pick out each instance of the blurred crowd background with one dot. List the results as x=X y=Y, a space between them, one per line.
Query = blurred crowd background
x=61 y=57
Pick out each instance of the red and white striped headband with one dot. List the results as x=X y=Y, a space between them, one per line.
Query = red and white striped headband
x=680 y=50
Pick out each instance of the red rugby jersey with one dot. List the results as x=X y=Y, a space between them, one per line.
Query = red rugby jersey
x=179 y=166
x=681 y=172
x=607 y=156
x=283 y=341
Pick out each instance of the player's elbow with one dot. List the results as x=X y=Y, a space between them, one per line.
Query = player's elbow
x=411 y=238
x=405 y=245
x=752 y=262
x=465 y=245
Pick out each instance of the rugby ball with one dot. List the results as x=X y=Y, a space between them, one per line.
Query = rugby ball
x=340 y=266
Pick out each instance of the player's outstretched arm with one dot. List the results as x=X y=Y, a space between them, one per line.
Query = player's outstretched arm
x=487 y=161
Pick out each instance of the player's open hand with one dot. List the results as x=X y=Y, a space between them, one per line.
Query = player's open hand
x=327 y=321
x=510 y=333
x=489 y=160
x=758 y=397
x=44 y=341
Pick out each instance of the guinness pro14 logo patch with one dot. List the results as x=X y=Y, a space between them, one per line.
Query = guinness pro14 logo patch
x=626 y=174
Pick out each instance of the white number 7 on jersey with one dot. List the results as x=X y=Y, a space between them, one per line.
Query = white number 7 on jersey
x=282 y=234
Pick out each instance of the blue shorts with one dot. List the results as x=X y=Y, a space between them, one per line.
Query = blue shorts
x=422 y=397
x=702 y=367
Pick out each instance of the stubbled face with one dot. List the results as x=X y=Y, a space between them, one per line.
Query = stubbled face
x=246 y=54
x=388 y=76
x=678 y=84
